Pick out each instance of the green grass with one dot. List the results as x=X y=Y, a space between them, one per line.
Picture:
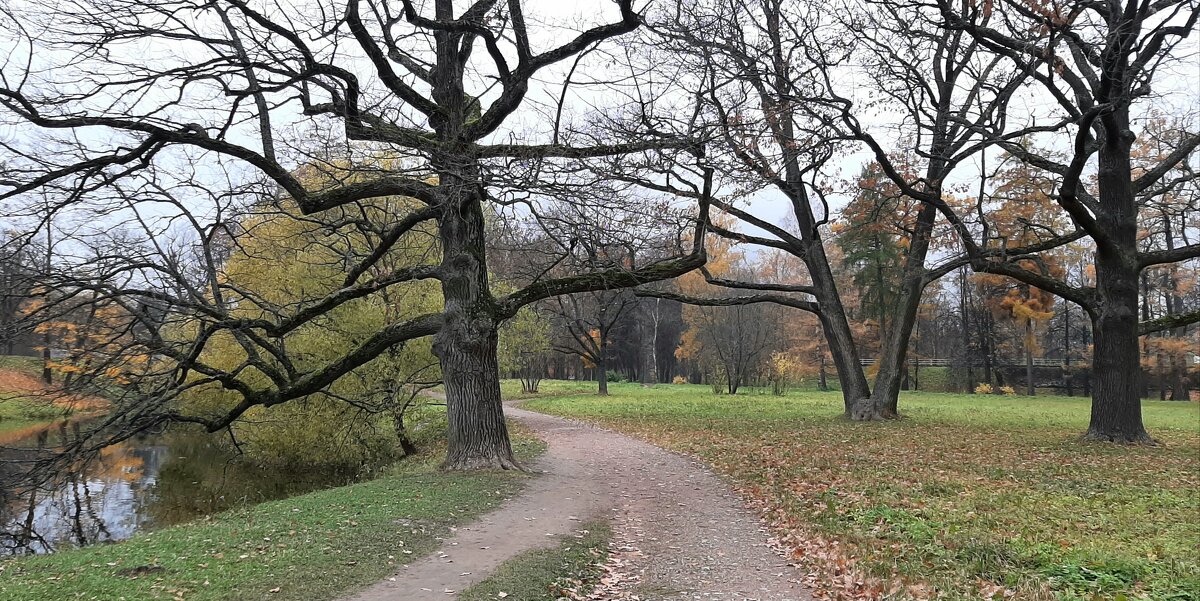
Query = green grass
x=14 y=407
x=573 y=566
x=27 y=365
x=314 y=546
x=967 y=493
x=18 y=411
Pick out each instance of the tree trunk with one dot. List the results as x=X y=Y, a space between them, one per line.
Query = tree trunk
x=602 y=372
x=1179 y=389
x=1067 y=350
x=47 y=375
x=1116 y=406
x=1029 y=388
x=894 y=351
x=855 y=391
x=822 y=380
x=466 y=345
x=649 y=342
x=406 y=444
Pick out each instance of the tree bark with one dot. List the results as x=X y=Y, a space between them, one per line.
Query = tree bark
x=602 y=371
x=466 y=345
x=856 y=394
x=1116 y=366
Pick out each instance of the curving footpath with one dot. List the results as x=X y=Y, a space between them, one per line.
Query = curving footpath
x=680 y=532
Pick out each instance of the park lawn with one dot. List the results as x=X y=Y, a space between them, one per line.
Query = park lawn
x=316 y=546
x=970 y=496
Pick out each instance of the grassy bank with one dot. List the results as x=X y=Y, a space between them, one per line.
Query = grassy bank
x=22 y=403
x=569 y=569
x=311 y=547
x=969 y=496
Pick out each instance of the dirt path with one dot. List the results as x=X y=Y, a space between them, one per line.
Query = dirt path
x=684 y=534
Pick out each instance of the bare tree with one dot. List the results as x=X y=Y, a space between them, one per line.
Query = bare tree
x=738 y=58
x=951 y=100
x=1097 y=62
x=429 y=95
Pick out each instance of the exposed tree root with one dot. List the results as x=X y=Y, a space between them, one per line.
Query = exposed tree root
x=483 y=462
x=1125 y=438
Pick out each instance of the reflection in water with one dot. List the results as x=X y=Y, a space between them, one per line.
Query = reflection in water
x=141 y=483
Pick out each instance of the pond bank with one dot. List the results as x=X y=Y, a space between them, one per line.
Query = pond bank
x=146 y=482
x=313 y=546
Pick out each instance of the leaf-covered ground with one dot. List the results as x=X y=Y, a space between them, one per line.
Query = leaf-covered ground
x=970 y=496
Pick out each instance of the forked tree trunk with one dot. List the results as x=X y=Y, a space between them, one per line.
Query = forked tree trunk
x=885 y=396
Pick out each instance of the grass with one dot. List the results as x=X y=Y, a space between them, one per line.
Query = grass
x=570 y=568
x=31 y=366
x=20 y=409
x=969 y=496
x=314 y=546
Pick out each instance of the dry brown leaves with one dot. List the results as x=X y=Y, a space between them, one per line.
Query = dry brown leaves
x=619 y=575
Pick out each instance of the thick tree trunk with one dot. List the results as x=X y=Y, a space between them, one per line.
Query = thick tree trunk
x=477 y=436
x=1116 y=406
x=466 y=345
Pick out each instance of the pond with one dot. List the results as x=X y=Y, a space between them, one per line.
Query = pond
x=142 y=483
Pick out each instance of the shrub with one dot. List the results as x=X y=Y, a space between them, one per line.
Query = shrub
x=679 y=380
x=1008 y=391
x=782 y=370
x=984 y=388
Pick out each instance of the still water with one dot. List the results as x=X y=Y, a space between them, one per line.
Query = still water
x=143 y=483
